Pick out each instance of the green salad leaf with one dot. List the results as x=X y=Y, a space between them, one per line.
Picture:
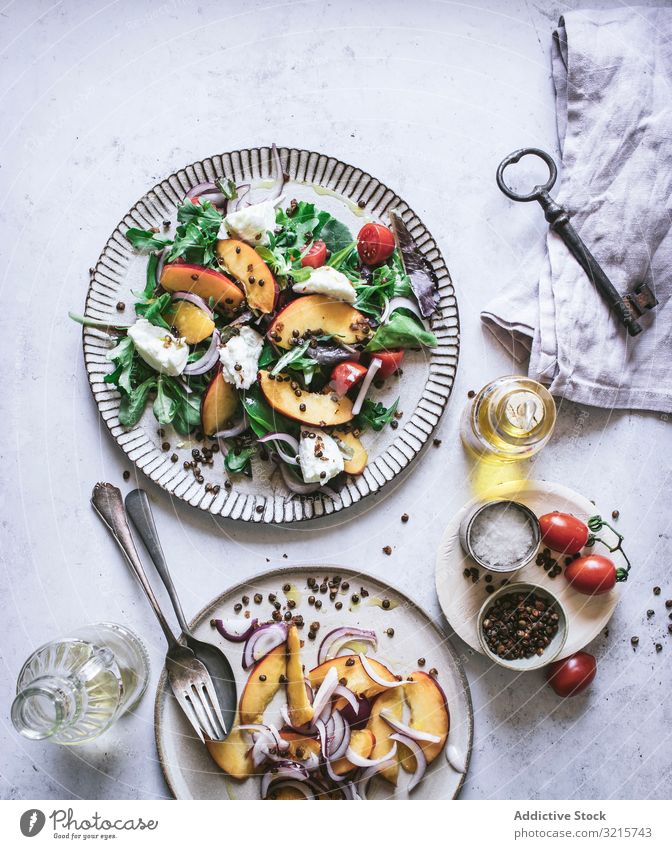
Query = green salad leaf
x=263 y=419
x=375 y=414
x=401 y=331
x=237 y=460
x=152 y=308
x=133 y=404
x=165 y=404
x=335 y=235
x=122 y=355
x=147 y=240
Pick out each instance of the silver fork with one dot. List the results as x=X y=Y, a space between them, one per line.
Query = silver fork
x=189 y=679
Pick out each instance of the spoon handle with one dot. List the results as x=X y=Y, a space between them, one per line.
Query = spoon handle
x=140 y=511
x=106 y=501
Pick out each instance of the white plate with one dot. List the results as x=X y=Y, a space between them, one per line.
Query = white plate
x=189 y=771
x=423 y=391
x=461 y=600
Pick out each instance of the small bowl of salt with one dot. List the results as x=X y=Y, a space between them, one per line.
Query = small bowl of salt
x=501 y=536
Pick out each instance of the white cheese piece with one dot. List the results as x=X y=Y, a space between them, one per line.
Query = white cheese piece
x=240 y=358
x=158 y=348
x=326 y=280
x=320 y=457
x=250 y=224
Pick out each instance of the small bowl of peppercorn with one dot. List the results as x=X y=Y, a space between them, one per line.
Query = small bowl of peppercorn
x=522 y=626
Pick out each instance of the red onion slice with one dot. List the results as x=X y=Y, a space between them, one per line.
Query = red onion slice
x=420 y=759
x=358 y=760
x=366 y=384
x=239 y=202
x=350 y=792
x=373 y=675
x=230 y=629
x=294 y=486
x=330 y=772
x=340 y=738
x=286 y=771
x=413 y=733
x=236 y=429
x=278 y=175
x=289 y=440
x=208 y=191
x=348 y=695
x=336 y=639
x=264 y=639
x=163 y=256
x=208 y=360
x=196 y=300
x=372 y=771
x=325 y=692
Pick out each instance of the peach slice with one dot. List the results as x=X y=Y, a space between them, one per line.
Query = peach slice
x=355 y=676
x=245 y=265
x=300 y=710
x=318 y=312
x=219 y=404
x=205 y=282
x=363 y=743
x=189 y=321
x=320 y=410
x=286 y=794
x=301 y=747
x=357 y=463
x=392 y=701
x=429 y=712
x=232 y=754
x=262 y=684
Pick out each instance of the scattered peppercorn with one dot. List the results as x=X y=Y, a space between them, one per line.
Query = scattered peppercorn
x=121 y=306
x=126 y=475
x=615 y=514
x=350 y=661
x=433 y=672
x=404 y=517
x=262 y=677
x=338 y=605
x=668 y=603
x=658 y=647
x=390 y=632
x=656 y=590
x=386 y=604
x=634 y=641
x=421 y=661
x=650 y=613
x=238 y=607
x=436 y=443
x=387 y=550
x=258 y=598
x=355 y=598
x=318 y=603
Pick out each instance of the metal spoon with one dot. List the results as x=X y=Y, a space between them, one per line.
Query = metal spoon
x=215 y=661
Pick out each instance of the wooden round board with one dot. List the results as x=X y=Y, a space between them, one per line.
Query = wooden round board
x=422 y=394
x=461 y=600
x=188 y=769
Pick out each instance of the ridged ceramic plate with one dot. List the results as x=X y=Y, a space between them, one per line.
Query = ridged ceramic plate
x=188 y=769
x=423 y=390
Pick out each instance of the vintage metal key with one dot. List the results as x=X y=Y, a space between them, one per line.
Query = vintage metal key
x=628 y=307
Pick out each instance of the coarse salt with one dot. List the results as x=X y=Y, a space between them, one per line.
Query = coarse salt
x=501 y=536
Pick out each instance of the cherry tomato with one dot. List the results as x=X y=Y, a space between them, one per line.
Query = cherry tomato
x=572 y=675
x=316 y=256
x=375 y=243
x=391 y=361
x=591 y=575
x=563 y=532
x=346 y=375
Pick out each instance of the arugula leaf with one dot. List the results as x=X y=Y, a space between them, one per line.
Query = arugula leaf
x=165 y=405
x=133 y=404
x=301 y=226
x=196 y=233
x=147 y=240
x=296 y=360
x=263 y=419
x=401 y=331
x=290 y=357
x=267 y=356
x=335 y=235
x=150 y=284
x=227 y=187
x=152 y=309
x=375 y=414
x=237 y=460
x=122 y=356
x=343 y=258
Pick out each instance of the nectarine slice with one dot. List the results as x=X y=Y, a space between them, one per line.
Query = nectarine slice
x=301 y=747
x=320 y=410
x=245 y=265
x=357 y=463
x=190 y=322
x=286 y=793
x=232 y=754
x=356 y=678
x=300 y=709
x=318 y=312
x=205 y=282
x=363 y=743
x=392 y=701
x=219 y=404
x=429 y=712
x=262 y=684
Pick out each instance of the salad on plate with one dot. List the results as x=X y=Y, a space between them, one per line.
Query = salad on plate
x=268 y=327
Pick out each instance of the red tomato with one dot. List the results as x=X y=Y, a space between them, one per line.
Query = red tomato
x=375 y=243
x=563 y=532
x=346 y=375
x=591 y=575
x=316 y=256
x=391 y=361
x=572 y=675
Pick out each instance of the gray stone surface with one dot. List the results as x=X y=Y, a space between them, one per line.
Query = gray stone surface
x=100 y=101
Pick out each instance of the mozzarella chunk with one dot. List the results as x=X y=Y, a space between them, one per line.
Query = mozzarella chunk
x=320 y=458
x=240 y=358
x=158 y=348
x=250 y=224
x=326 y=280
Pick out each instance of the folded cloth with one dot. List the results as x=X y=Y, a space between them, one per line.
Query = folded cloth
x=612 y=71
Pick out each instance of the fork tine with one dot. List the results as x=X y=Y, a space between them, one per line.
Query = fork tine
x=197 y=704
x=188 y=711
x=210 y=690
x=202 y=697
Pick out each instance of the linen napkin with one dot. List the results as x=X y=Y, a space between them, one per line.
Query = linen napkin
x=612 y=71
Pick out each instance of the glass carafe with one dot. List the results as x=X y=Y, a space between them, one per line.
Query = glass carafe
x=72 y=690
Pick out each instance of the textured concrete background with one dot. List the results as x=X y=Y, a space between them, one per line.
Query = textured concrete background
x=102 y=99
